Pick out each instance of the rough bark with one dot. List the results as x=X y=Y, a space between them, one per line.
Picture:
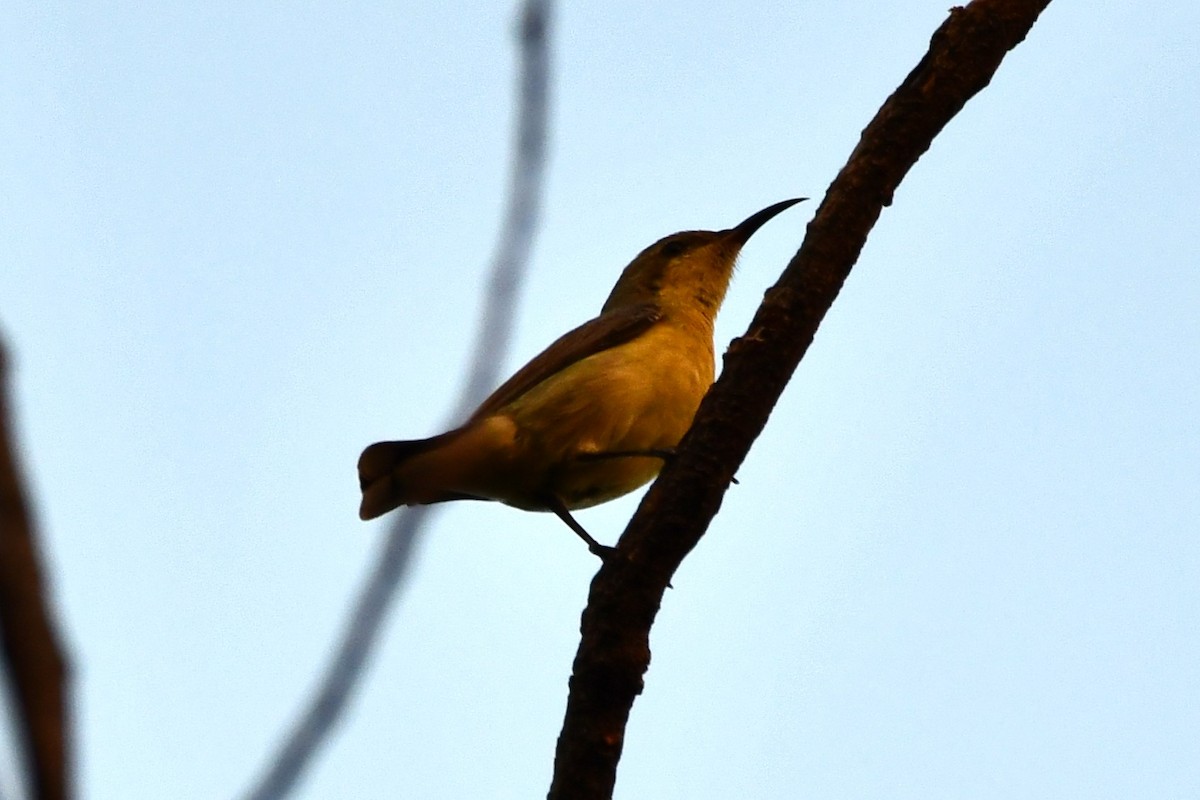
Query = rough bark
x=614 y=650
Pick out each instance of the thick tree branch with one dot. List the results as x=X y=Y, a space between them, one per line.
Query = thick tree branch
x=626 y=594
x=328 y=703
x=33 y=657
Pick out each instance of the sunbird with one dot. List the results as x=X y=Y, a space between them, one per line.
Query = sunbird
x=596 y=413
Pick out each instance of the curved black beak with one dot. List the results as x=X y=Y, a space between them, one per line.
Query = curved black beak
x=742 y=232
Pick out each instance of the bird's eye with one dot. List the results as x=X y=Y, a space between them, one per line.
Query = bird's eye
x=673 y=248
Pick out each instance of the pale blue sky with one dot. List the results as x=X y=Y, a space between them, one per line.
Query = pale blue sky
x=238 y=244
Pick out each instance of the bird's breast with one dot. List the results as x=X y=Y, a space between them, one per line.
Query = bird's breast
x=639 y=396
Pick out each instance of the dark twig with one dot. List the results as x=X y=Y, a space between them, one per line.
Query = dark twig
x=33 y=657
x=614 y=651
x=508 y=268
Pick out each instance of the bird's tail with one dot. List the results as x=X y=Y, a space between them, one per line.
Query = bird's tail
x=386 y=471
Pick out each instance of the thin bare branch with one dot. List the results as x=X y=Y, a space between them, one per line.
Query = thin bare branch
x=625 y=596
x=366 y=619
x=34 y=659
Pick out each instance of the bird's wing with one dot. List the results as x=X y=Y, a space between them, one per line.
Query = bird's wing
x=605 y=331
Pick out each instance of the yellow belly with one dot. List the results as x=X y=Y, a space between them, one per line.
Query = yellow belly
x=639 y=396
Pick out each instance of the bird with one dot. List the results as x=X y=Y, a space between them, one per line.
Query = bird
x=596 y=414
